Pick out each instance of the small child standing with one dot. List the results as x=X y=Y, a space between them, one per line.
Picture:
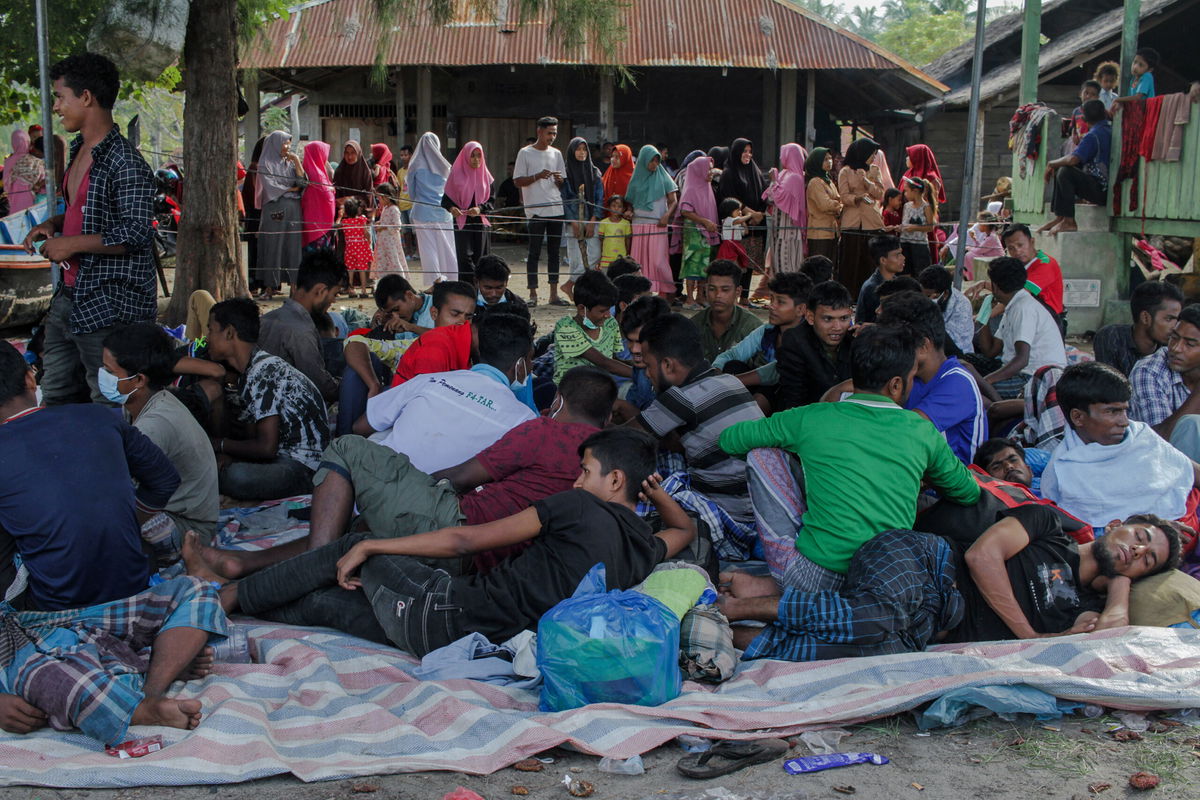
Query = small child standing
x=893 y=209
x=1144 y=63
x=917 y=222
x=734 y=219
x=389 y=237
x=1076 y=127
x=358 y=246
x=1108 y=75
x=615 y=231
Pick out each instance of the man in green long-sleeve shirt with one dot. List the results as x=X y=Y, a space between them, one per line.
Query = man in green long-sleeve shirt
x=864 y=459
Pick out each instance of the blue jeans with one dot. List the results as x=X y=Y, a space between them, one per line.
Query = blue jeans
x=352 y=395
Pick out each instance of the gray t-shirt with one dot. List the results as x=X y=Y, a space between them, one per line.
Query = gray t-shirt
x=168 y=423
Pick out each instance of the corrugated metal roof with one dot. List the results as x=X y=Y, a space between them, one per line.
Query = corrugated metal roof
x=756 y=34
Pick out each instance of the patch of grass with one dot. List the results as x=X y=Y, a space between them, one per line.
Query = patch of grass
x=886 y=730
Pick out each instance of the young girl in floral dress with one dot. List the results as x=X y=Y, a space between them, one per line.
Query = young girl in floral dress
x=358 y=247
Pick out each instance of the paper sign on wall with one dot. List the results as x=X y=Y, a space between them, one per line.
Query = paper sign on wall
x=1081 y=292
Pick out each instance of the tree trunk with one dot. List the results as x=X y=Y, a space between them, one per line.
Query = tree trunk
x=208 y=251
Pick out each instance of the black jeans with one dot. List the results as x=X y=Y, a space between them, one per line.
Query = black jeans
x=551 y=228
x=402 y=601
x=1071 y=183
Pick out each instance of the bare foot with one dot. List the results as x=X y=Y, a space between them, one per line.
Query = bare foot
x=1066 y=226
x=1049 y=225
x=208 y=563
x=201 y=666
x=183 y=714
x=743 y=584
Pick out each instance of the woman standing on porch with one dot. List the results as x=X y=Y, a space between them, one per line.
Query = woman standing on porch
x=824 y=205
x=427 y=173
x=468 y=197
x=789 y=210
x=653 y=196
x=860 y=187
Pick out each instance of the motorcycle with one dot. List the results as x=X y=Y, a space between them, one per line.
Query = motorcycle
x=167 y=211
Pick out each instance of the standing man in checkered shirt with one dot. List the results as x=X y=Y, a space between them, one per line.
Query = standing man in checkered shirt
x=106 y=233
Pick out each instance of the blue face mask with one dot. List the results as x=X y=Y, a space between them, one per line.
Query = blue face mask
x=110 y=386
x=587 y=323
x=523 y=391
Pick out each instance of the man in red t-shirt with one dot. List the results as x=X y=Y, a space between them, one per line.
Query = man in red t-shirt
x=534 y=460
x=1043 y=276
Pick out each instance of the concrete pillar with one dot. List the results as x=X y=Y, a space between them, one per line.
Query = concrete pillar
x=401 y=101
x=1031 y=45
x=424 y=100
x=766 y=152
x=252 y=122
x=608 y=124
x=810 y=109
x=787 y=106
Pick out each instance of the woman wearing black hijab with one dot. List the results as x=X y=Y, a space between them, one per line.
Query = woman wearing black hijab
x=742 y=179
x=253 y=216
x=582 y=247
x=860 y=187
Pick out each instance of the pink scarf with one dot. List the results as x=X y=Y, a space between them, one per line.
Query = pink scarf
x=317 y=203
x=788 y=192
x=382 y=155
x=698 y=196
x=20 y=194
x=467 y=187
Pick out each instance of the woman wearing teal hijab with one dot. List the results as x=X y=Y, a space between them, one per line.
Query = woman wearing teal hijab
x=653 y=196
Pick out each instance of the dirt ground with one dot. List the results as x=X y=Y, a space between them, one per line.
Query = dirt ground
x=989 y=759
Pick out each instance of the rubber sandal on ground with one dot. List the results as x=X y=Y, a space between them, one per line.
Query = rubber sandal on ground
x=729 y=756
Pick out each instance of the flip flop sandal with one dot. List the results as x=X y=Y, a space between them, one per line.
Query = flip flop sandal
x=731 y=756
x=558 y=301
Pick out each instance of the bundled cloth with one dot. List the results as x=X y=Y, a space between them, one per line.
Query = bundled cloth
x=1025 y=132
x=706 y=651
x=733 y=540
x=1044 y=423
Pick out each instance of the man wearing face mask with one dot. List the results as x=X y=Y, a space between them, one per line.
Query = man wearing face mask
x=69 y=503
x=137 y=368
x=533 y=461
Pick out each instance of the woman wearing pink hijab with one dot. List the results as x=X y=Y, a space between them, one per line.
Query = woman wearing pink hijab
x=788 y=197
x=317 y=204
x=17 y=190
x=468 y=198
x=381 y=154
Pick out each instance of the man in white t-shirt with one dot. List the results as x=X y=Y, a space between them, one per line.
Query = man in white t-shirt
x=539 y=173
x=441 y=419
x=1028 y=337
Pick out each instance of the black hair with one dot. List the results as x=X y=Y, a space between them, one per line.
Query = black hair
x=673 y=336
x=404 y=147
x=1012 y=230
x=1093 y=84
x=1094 y=112
x=723 y=267
x=350 y=208
x=320 y=267
x=1007 y=274
x=1191 y=315
x=590 y=392
x=1081 y=385
x=13 y=369
x=936 y=279
x=1150 y=296
x=992 y=448
x=880 y=353
x=324 y=323
x=818 y=268
x=830 y=294
x=89 y=72
x=795 y=285
x=503 y=340
x=389 y=287
x=888 y=194
x=880 y=246
x=492 y=267
x=898 y=284
x=728 y=207
x=641 y=311
x=546 y=122
x=144 y=348
x=1149 y=55
x=623 y=265
x=239 y=312
x=1171 y=530
x=594 y=289
x=917 y=312
x=630 y=286
x=443 y=290
x=633 y=453
x=620 y=197
x=389 y=191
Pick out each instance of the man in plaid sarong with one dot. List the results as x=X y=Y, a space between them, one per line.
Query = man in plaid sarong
x=106 y=667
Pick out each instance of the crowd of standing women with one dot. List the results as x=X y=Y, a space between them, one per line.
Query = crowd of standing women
x=720 y=203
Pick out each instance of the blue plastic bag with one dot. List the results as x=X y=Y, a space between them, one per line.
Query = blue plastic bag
x=608 y=647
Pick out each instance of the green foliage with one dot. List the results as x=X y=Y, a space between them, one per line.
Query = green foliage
x=922 y=38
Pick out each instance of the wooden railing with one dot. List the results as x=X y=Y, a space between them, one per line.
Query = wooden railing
x=1166 y=190
x=1029 y=191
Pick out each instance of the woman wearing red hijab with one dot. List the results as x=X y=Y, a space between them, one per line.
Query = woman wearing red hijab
x=381 y=155
x=620 y=170
x=920 y=162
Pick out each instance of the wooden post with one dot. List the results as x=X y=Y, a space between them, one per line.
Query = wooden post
x=787 y=106
x=252 y=123
x=766 y=151
x=1129 y=40
x=973 y=190
x=1031 y=46
x=424 y=100
x=401 y=102
x=608 y=127
x=810 y=109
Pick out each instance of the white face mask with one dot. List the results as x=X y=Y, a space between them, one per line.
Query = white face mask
x=554 y=412
x=110 y=386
